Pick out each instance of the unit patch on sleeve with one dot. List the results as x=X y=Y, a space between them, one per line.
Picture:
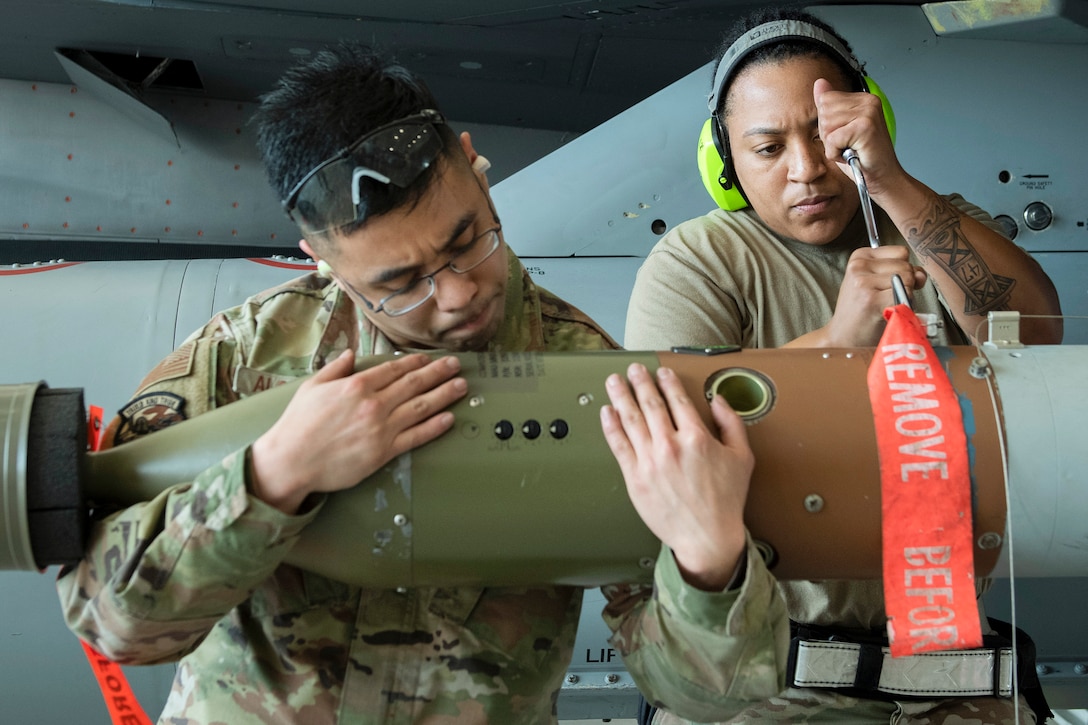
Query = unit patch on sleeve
x=147 y=414
x=177 y=364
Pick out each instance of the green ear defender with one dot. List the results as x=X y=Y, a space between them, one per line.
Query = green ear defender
x=712 y=171
x=885 y=105
x=712 y=154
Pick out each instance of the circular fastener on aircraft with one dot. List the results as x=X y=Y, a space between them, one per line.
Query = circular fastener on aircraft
x=1009 y=226
x=1038 y=216
x=979 y=368
x=504 y=430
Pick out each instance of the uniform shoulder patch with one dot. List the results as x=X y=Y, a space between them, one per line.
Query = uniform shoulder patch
x=175 y=365
x=147 y=414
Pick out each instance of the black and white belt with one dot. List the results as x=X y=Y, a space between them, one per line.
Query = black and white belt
x=870 y=668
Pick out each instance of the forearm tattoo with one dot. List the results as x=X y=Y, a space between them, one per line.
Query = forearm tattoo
x=939 y=237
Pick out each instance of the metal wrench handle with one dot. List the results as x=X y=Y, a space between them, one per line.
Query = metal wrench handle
x=852 y=158
x=899 y=290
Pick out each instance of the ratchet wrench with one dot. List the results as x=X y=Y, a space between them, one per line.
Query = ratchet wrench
x=899 y=291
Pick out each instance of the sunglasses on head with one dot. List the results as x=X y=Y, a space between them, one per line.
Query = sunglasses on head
x=396 y=153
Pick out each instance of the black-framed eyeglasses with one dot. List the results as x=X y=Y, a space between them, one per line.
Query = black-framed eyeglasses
x=423 y=288
x=396 y=153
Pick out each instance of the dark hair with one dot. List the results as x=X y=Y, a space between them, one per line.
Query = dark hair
x=326 y=103
x=780 y=50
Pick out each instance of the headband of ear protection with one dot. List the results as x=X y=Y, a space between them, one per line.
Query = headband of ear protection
x=715 y=164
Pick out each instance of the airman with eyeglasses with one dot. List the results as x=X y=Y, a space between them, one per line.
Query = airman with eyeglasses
x=396 y=209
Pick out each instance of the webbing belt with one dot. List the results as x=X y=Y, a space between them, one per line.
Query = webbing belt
x=871 y=668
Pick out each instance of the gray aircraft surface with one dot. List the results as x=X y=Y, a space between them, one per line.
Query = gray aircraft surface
x=133 y=207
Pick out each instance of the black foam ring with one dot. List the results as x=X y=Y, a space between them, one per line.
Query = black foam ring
x=57 y=442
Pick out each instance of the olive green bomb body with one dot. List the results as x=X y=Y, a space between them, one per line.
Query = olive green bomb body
x=522 y=490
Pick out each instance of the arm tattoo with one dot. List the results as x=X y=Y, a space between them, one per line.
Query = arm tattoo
x=939 y=237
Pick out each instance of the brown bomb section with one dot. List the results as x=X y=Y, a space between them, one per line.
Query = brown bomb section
x=815 y=493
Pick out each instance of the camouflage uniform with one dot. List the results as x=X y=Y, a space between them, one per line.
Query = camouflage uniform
x=702 y=653
x=195 y=575
x=711 y=657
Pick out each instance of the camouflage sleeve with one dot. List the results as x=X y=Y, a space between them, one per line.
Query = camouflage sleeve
x=566 y=327
x=702 y=655
x=160 y=574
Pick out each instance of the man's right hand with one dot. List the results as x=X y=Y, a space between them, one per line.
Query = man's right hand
x=341 y=426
